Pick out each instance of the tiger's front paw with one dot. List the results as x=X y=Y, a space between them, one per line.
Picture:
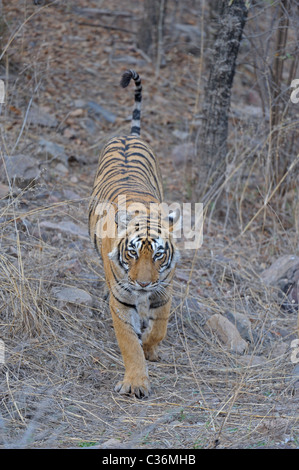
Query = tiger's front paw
x=138 y=387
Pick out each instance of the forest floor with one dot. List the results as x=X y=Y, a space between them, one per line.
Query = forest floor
x=62 y=69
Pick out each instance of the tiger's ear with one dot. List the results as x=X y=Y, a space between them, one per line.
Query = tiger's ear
x=173 y=219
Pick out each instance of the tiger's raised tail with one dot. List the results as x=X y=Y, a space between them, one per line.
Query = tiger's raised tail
x=126 y=78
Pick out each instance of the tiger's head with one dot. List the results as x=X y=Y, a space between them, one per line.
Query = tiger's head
x=145 y=251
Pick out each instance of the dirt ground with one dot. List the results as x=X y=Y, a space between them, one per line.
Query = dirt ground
x=61 y=356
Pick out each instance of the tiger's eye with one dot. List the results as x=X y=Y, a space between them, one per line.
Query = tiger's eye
x=132 y=252
x=159 y=255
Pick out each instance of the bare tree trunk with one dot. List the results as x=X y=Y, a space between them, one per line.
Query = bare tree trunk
x=150 y=33
x=217 y=94
x=277 y=96
x=2 y=27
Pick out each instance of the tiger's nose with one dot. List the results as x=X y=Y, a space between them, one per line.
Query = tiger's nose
x=143 y=284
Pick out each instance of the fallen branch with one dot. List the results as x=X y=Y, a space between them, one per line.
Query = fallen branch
x=90 y=12
x=99 y=25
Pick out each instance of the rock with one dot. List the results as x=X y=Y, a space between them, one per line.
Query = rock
x=100 y=112
x=96 y=111
x=110 y=444
x=242 y=323
x=78 y=112
x=61 y=169
x=295 y=352
x=53 y=151
x=22 y=170
x=283 y=274
x=279 y=350
x=271 y=275
x=4 y=190
x=40 y=117
x=72 y=295
x=289 y=286
x=180 y=134
x=227 y=333
x=89 y=125
x=68 y=227
x=250 y=360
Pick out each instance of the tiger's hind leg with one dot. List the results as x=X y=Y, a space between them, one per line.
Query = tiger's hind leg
x=156 y=331
x=136 y=380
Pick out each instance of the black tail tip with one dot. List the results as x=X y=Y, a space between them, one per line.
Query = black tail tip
x=126 y=78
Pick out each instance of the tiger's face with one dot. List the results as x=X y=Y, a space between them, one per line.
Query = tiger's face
x=146 y=261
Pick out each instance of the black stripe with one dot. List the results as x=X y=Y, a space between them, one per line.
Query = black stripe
x=169 y=272
x=147 y=166
x=144 y=156
x=119 y=283
x=138 y=144
x=136 y=114
x=95 y=240
x=135 y=130
x=123 y=303
x=120 y=252
x=158 y=304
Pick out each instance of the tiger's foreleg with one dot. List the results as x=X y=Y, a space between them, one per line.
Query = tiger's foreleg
x=127 y=330
x=156 y=331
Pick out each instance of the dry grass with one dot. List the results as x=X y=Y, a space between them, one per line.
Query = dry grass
x=62 y=359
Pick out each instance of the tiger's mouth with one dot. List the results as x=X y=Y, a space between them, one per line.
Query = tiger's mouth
x=142 y=287
x=138 y=288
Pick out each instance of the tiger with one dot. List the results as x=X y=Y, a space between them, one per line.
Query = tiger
x=140 y=259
